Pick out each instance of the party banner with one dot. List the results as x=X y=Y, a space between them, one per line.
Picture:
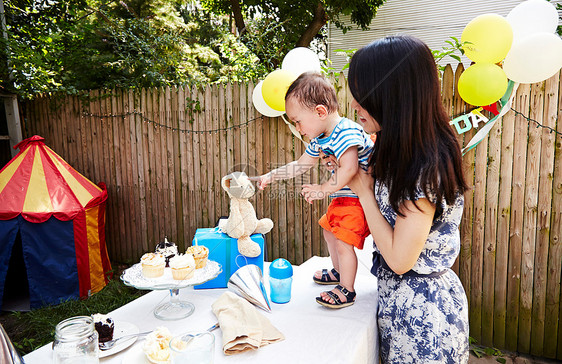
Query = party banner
x=505 y=103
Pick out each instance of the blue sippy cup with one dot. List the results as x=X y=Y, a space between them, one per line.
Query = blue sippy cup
x=280 y=280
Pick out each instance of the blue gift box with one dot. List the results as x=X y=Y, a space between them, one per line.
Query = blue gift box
x=224 y=250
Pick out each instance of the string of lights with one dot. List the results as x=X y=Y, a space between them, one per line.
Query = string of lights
x=167 y=127
x=246 y=123
x=538 y=125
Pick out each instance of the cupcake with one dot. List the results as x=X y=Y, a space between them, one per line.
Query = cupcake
x=153 y=265
x=104 y=326
x=156 y=346
x=183 y=266
x=167 y=249
x=200 y=254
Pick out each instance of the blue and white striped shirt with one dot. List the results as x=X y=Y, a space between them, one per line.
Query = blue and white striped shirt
x=347 y=133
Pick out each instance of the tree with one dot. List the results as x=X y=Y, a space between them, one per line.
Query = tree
x=303 y=19
x=88 y=44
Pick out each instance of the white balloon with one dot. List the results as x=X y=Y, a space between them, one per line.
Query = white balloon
x=300 y=60
x=534 y=58
x=532 y=16
x=261 y=106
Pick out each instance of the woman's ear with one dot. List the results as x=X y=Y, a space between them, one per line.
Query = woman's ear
x=322 y=110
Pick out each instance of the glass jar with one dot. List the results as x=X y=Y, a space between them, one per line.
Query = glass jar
x=76 y=341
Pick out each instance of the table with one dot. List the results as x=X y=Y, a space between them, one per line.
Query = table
x=313 y=334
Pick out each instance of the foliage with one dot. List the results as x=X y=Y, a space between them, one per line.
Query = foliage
x=454 y=46
x=274 y=27
x=36 y=328
x=348 y=54
x=480 y=351
x=89 y=44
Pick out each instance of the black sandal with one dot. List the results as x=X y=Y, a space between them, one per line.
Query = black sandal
x=326 y=279
x=350 y=298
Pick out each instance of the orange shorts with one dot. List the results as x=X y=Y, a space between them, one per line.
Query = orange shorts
x=346 y=220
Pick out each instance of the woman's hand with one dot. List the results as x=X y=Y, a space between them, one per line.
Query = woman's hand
x=362 y=184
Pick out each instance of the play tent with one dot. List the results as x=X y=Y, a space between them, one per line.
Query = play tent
x=60 y=217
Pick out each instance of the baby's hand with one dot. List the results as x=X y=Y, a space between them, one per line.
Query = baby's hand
x=329 y=161
x=263 y=180
x=312 y=192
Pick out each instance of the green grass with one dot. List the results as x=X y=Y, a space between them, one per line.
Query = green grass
x=31 y=330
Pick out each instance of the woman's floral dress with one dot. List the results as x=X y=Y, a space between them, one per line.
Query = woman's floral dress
x=423 y=314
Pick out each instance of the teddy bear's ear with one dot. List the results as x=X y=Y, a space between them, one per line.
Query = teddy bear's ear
x=225 y=182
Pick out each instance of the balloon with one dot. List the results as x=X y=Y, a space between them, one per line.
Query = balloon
x=482 y=83
x=534 y=58
x=488 y=37
x=275 y=87
x=300 y=60
x=533 y=16
x=260 y=104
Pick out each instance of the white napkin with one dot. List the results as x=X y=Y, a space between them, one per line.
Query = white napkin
x=243 y=327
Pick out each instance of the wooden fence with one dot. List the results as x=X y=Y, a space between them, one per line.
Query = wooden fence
x=162 y=153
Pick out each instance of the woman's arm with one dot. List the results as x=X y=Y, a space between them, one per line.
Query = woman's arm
x=401 y=246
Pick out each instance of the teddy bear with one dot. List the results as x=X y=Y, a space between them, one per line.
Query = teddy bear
x=242 y=221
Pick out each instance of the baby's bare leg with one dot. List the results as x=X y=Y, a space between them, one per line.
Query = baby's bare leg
x=347 y=269
x=331 y=242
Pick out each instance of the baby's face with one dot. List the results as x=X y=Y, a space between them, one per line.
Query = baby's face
x=307 y=121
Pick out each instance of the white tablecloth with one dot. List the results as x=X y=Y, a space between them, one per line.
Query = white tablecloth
x=313 y=334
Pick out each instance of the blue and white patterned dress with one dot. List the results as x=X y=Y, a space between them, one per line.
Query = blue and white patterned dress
x=424 y=319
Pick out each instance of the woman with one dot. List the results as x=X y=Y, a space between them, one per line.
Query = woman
x=413 y=200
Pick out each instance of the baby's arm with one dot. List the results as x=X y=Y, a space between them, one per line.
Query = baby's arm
x=348 y=167
x=290 y=170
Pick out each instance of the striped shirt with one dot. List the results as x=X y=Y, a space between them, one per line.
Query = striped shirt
x=346 y=134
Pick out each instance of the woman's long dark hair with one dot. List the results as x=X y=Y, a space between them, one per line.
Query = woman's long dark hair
x=395 y=80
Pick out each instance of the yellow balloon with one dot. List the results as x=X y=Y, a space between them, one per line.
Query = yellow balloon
x=275 y=87
x=488 y=37
x=482 y=84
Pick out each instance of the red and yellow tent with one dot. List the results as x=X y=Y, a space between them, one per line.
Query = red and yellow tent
x=60 y=217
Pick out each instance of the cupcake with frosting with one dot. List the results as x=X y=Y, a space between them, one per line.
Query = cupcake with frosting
x=156 y=346
x=200 y=254
x=104 y=325
x=167 y=249
x=183 y=266
x=153 y=265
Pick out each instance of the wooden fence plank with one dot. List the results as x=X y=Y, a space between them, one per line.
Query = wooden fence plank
x=144 y=180
x=553 y=329
x=224 y=146
x=478 y=223
x=549 y=96
x=276 y=188
x=502 y=237
x=459 y=107
x=151 y=112
x=267 y=166
x=447 y=98
x=490 y=232
x=530 y=222
x=183 y=196
x=282 y=201
x=174 y=159
x=218 y=192
x=521 y=103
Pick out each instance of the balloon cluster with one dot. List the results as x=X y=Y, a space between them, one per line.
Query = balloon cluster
x=524 y=41
x=269 y=94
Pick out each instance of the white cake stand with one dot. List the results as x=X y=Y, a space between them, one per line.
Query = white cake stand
x=175 y=309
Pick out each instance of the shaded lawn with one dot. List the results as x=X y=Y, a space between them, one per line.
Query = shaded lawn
x=31 y=330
